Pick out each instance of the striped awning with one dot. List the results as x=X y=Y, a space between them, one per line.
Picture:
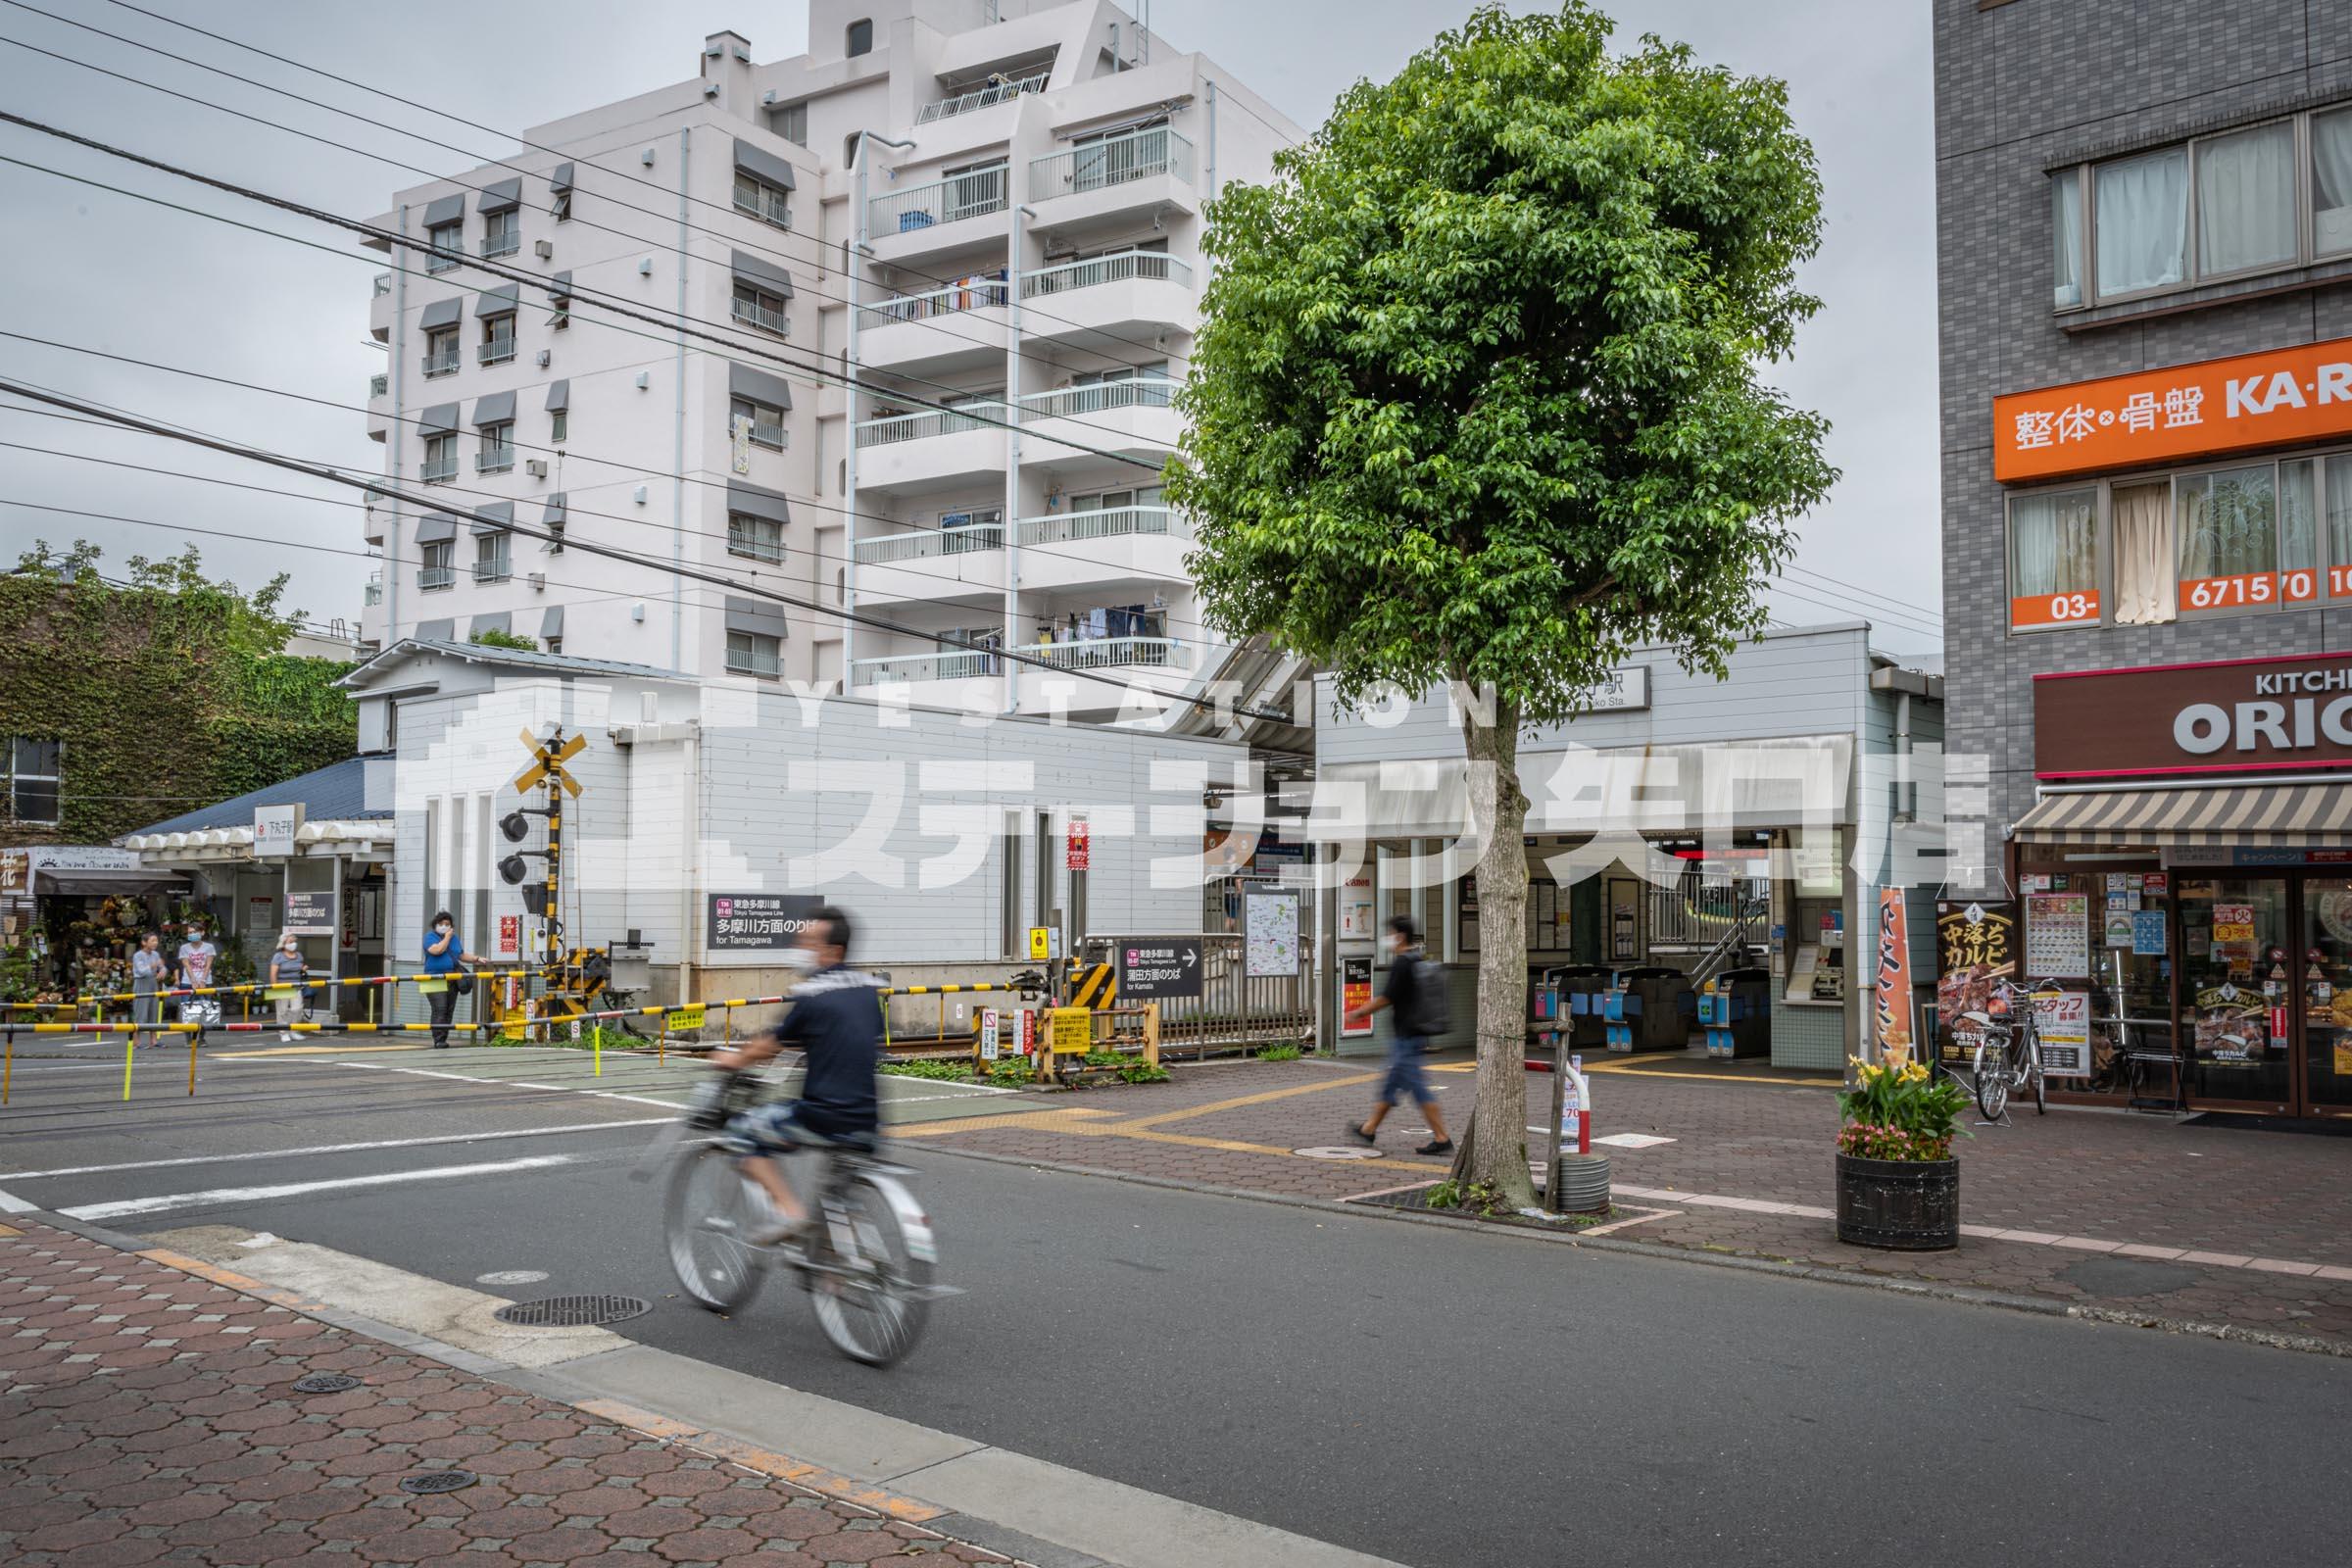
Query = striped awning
x=2317 y=814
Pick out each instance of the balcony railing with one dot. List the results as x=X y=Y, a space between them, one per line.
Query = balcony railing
x=996 y=92
x=1112 y=160
x=1125 y=266
x=916 y=426
x=383 y=284
x=437 y=471
x=924 y=543
x=496 y=350
x=1105 y=653
x=430 y=578
x=765 y=319
x=379 y=386
x=438 y=260
x=1108 y=523
x=374 y=592
x=496 y=571
x=926 y=666
x=1097 y=397
x=975 y=294
x=500 y=460
x=444 y=363
x=506 y=244
x=769 y=206
x=946 y=201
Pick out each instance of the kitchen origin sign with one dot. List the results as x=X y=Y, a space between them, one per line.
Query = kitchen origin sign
x=2240 y=716
x=2189 y=411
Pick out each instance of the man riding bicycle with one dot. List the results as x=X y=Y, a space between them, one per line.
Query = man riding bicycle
x=836 y=1023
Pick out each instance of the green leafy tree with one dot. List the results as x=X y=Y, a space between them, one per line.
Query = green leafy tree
x=491 y=637
x=1476 y=401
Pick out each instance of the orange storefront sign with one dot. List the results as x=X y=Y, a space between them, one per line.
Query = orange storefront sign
x=2187 y=411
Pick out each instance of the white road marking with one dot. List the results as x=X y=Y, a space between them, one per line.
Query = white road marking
x=512 y=1276
x=11 y=1204
x=335 y=1148
x=249 y=1195
x=1634 y=1140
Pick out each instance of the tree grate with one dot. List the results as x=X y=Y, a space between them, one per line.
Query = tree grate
x=325 y=1383
x=572 y=1311
x=432 y=1480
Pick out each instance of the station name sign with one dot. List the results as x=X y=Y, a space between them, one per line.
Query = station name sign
x=2151 y=417
x=2239 y=715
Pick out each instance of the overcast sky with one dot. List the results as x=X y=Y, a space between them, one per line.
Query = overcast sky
x=100 y=271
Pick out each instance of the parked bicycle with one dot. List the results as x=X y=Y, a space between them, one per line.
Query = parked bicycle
x=867 y=1266
x=2008 y=1055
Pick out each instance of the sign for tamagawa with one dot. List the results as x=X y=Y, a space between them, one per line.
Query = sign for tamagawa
x=752 y=920
x=2236 y=716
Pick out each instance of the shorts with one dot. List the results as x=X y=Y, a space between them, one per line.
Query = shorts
x=782 y=1126
x=1405 y=1077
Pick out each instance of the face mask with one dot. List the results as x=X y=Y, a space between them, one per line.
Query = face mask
x=800 y=961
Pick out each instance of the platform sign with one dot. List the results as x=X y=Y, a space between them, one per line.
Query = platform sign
x=754 y=920
x=1160 y=968
x=310 y=914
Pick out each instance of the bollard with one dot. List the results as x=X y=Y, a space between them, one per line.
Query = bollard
x=8 y=1069
x=130 y=1042
x=191 y=1065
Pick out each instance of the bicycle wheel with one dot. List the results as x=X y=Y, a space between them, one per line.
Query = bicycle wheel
x=2034 y=1076
x=712 y=1209
x=1992 y=1079
x=870 y=1300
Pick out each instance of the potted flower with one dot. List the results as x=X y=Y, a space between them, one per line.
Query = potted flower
x=1898 y=1186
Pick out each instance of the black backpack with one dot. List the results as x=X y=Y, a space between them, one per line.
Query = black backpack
x=1432 y=1013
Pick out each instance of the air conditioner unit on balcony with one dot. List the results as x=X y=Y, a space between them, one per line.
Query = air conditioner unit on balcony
x=536 y=467
x=543 y=249
x=538 y=581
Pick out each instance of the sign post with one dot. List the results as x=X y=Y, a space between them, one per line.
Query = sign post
x=1160 y=968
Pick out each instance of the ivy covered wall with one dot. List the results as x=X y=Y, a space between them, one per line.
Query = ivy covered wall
x=169 y=691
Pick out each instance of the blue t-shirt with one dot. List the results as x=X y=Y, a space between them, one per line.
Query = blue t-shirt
x=446 y=961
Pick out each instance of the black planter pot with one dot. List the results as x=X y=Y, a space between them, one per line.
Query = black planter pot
x=1904 y=1205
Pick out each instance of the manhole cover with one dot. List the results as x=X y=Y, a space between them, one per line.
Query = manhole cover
x=325 y=1383
x=573 y=1311
x=1336 y=1153
x=432 y=1480
x=2126 y=1276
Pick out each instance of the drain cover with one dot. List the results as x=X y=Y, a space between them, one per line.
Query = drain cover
x=573 y=1311
x=1338 y=1153
x=325 y=1383
x=432 y=1480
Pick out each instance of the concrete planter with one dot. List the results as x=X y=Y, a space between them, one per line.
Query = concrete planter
x=1903 y=1206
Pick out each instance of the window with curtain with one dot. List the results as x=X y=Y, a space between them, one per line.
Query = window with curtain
x=2340 y=527
x=2143 y=222
x=2246 y=200
x=2142 y=517
x=2228 y=538
x=2331 y=183
x=2055 y=558
x=2299 y=574
x=2065 y=235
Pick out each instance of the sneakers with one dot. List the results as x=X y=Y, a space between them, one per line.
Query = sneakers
x=1435 y=1146
x=1355 y=1130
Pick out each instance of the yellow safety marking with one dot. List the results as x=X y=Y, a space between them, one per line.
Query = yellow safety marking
x=1637 y=1071
x=1454 y=1066
x=1239 y=1101
x=1096 y=989
x=571 y=747
x=289 y=1299
x=1068 y=1120
x=10 y=1230
x=302 y=1050
x=763 y=1461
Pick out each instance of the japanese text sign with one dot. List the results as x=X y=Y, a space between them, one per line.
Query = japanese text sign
x=770 y=920
x=2189 y=411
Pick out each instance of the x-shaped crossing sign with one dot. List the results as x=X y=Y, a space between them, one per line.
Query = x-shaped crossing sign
x=549 y=761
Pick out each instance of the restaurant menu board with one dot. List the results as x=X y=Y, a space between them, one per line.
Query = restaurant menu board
x=1975 y=945
x=2058 y=935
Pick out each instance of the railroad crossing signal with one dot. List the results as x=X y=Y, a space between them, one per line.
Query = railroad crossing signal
x=548 y=763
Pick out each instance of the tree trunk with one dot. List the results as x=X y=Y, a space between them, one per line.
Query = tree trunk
x=1494 y=1137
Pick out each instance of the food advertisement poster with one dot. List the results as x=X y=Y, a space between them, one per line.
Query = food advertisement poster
x=2058 y=935
x=1975 y=945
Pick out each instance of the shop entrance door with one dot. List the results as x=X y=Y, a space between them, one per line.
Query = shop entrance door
x=2326 y=992
x=2237 y=993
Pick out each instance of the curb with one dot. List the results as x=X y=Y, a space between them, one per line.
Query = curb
x=2033 y=1305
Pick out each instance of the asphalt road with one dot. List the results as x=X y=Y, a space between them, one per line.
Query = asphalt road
x=1446 y=1400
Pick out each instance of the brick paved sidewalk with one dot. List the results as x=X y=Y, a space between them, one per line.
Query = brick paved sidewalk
x=2105 y=1211
x=149 y=1416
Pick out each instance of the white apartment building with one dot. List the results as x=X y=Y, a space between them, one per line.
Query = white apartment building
x=994 y=204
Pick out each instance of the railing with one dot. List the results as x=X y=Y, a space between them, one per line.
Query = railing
x=496 y=350
x=753 y=545
x=1697 y=911
x=1235 y=1009
x=923 y=543
x=977 y=294
x=498 y=461
x=1110 y=523
x=438 y=260
x=1112 y=160
x=383 y=284
x=438 y=470
x=925 y=667
x=755 y=662
x=958 y=196
x=1107 y=653
x=494 y=570
x=897 y=427
x=506 y=244
x=768 y=206
x=444 y=363
x=374 y=592
x=379 y=385
x=1097 y=397
x=429 y=579
x=765 y=319
x=1122 y=267
x=996 y=92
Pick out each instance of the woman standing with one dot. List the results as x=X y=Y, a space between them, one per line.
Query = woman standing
x=286 y=971
x=443 y=952
x=147 y=967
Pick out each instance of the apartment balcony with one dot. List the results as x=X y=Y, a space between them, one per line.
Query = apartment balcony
x=988 y=97
x=445 y=362
x=379 y=386
x=974 y=681
x=380 y=308
x=960 y=326
x=438 y=260
x=933 y=566
x=769 y=206
x=1104 y=300
x=960 y=211
x=383 y=284
x=1117 y=546
x=911 y=454
x=1100 y=182
x=437 y=471
x=374 y=594
x=496 y=350
x=501 y=461
x=1088 y=432
x=432 y=579
x=761 y=318
x=380 y=407
x=506 y=244
x=491 y=571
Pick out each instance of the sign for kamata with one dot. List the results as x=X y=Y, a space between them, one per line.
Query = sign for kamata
x=1158 y=968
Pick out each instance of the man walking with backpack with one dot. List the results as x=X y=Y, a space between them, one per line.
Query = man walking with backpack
x=1415 y=994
